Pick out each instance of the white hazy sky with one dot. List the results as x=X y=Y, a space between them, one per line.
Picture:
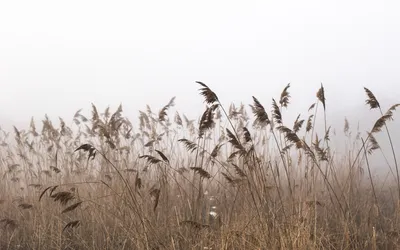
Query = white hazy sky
x=59 y=56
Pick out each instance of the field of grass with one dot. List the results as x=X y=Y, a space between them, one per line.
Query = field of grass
x=236 y=178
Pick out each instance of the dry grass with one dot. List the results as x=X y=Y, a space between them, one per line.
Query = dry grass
x=172 y=183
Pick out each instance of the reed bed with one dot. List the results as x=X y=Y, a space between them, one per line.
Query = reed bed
x=236 y=178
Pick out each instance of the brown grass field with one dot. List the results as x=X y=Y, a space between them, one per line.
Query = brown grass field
x=236 y=178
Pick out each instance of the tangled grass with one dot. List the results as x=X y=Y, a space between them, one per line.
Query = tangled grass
x=226 y=181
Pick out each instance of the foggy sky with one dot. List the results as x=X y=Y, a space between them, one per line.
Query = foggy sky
x=57 y=57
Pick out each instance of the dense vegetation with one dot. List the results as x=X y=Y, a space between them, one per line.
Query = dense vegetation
x=234 y=179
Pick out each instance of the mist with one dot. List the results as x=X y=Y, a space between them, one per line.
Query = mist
x=57 y=58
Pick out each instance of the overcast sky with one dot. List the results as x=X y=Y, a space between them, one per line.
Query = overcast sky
x=59 y=56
